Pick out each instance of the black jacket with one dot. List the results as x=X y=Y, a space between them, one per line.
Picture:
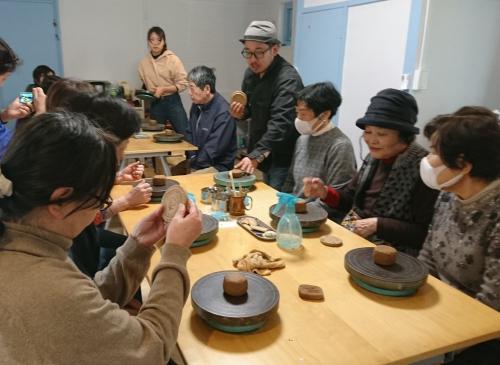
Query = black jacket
x=214 y=135
x=271 y=108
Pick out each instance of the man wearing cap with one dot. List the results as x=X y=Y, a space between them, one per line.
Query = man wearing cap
x=386 y=201
x=270 y=84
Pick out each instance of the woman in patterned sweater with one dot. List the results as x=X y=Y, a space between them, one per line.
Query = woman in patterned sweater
x=463 y=244
x=462 y=247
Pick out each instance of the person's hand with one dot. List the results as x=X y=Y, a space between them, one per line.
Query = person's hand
x=248 y=165
x=150 y=229
x=237 y=110
x=159 y=91
x=184 y=228
x=16 y=110
x=131 y=172
x=140 y=194
x=365 y=227
x=314 y=187
x=39 y=98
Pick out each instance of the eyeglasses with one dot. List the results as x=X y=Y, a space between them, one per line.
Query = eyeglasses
x=257 y=54
x=106 y=204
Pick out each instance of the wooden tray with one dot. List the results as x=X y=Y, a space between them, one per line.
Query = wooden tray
x=405 y=275
x=257 y=234
x=222 y=178
x=314 y=217
x=234 y=314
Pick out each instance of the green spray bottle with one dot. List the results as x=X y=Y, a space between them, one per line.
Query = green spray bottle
x=289 y=231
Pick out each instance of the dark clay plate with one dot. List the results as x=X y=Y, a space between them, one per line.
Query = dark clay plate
x=163 y=138
x=210 y=227
x=234 y=314
x=406 y=273
x=314 y=217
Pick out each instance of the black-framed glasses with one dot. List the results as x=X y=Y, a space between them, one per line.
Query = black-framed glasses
x=257 y=54
x=106 y=204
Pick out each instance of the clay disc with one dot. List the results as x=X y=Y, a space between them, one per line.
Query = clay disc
x=329 y=240
x=239 y=97
x=172 y=197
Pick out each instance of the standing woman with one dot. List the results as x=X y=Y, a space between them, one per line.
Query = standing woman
x=163 y=74
x=16 y=110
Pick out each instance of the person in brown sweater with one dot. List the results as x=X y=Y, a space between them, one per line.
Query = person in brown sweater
x=386 y=201
x=56 y=174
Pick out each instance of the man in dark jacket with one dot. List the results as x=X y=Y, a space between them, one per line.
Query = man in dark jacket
x=270 y=84
x=210 y=126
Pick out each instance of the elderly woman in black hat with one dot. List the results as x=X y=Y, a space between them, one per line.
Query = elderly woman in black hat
x=386 y=201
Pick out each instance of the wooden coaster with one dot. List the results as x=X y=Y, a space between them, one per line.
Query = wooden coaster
x=172 y=197
x=311 y=292
x=331 y=241
x=239 y=97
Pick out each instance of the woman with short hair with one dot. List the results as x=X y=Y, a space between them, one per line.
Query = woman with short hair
x=322 y=150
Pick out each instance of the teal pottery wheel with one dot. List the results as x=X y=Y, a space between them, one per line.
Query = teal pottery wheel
x=210 y=227
x=405 y=276
x=222 y=178
x=309 y=221
x=163 y=138
x=386 y=292
x=245 y=313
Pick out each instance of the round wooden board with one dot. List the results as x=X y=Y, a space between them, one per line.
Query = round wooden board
x=234 y=314
x=172 y=197
x=239 y=97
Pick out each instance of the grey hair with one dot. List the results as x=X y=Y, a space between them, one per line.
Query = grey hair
x=201 y=76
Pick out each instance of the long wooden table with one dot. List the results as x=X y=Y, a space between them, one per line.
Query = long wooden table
x=352 y=326
x=147 y=147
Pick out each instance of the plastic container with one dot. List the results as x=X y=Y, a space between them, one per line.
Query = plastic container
x=289 y=231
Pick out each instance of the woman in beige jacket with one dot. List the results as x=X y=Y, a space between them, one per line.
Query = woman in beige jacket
x=57 y=172
x=163 y=74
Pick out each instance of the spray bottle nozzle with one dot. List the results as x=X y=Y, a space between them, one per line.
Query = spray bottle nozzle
x=284 y=200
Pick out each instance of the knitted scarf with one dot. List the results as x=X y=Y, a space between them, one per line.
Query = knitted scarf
x=396 y=195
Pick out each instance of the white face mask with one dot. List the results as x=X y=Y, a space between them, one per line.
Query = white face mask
x=429 y=175
x=304 y=127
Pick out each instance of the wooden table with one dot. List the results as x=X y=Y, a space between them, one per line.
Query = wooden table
x=147 y=147
x=352 y=326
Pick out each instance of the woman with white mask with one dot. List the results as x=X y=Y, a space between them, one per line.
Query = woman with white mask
x=463 y=243
x=322 y=149
x=462 y=247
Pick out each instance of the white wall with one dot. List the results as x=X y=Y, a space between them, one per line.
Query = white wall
x=373 y=59
x=461 y=55
x=311 y=3
x=105 y=39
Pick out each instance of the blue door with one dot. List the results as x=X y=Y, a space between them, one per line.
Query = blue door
x=30 y=28
x=320 y=45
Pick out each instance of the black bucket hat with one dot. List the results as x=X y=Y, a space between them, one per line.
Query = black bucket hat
x=392 y=109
